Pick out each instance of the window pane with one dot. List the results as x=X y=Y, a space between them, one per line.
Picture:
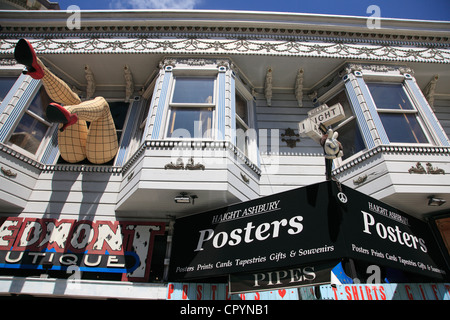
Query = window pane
x=241 y=108
x=29 y=133
x=241 y=138
x=190 y=123
x=341 y=98
x=351 y=139
x=40 y=102
x=390 y=96
x=6 y=84
x=349 y=134
x=403 y=128
x=119 y=112
x=193 y=90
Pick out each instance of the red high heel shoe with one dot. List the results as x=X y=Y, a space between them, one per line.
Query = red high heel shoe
x=24 y=54
x=57 y=113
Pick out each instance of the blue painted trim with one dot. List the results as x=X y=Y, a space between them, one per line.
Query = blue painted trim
x=221 y=106
x=414 y=88
x=255 y=127
x=128 y=133
x=233 y=110
x=52 y=150
x=12 y=92
x=150 y=111
x=157 y=125
x=19 y=108
x=373 y=111
x=362 y=122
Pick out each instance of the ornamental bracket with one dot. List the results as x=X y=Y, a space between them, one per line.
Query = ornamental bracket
x=299 y=87
x=129 y=84
x=268 y=86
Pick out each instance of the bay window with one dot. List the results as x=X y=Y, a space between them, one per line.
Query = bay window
x=204 y=99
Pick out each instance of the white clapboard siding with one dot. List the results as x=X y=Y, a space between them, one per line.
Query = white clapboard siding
x=282 y=167
x=442 y=111
x=17 y=180
x=74 y=195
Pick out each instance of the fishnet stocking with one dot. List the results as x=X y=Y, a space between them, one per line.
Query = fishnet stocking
x=99 y=142
x=57 y=89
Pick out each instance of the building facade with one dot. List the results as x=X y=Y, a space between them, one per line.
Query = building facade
x=211 y=108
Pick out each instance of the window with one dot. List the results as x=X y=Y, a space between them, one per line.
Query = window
x=400 y=118
x=119 y=111
x=191 y=108
x=242 y=124
x=348 y=129
x=6 y=84
x=33 y=126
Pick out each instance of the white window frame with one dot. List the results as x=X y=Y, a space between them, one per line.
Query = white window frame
x=246 y=127
x=417 y=110
x=47 y=135
x=212 y=105
x=252 y=143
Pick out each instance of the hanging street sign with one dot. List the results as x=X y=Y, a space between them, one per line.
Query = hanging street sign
x=321 y=115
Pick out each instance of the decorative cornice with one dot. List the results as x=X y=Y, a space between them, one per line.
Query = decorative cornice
x=422 y=33
x=234 y=46
x=235 y=33
x=58 y=167
x=149 y=144
x=8 y=62
x=379 y=68
x=391 y=149
x=169 y=144
x=190 y=144
x=15 y=154
x=214 y=23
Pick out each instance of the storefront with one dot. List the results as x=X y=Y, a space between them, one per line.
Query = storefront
x=325 y=233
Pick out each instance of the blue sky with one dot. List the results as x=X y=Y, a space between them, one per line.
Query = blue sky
x=404 y=9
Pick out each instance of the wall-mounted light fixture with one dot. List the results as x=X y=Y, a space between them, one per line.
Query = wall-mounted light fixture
x=182 y=198
x=435 y=202
x=185 y=198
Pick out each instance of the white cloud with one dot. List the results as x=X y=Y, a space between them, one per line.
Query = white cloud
x=154 y=4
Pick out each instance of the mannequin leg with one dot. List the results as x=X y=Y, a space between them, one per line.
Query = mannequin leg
x=57 y=89
x=76 y=142
x=71 y=141
x=101 y=144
